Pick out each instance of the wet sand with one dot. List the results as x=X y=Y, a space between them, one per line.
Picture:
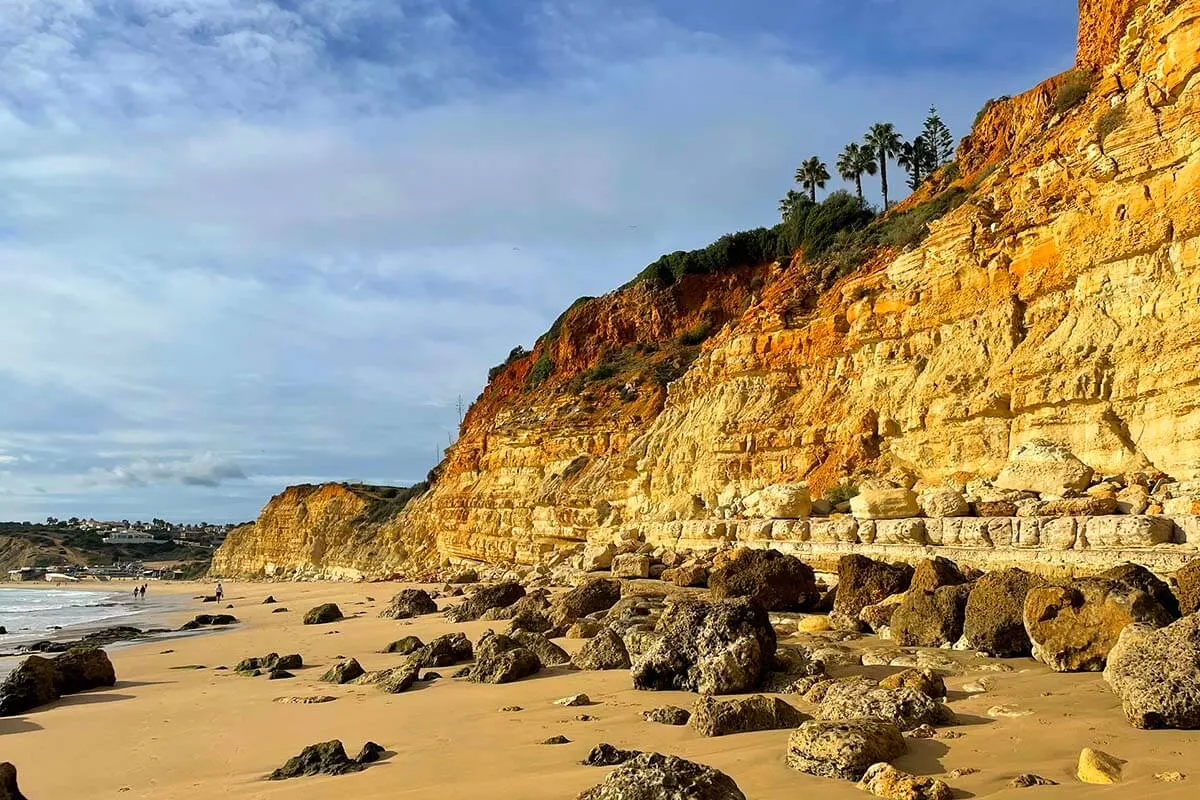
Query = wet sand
x=164 y=731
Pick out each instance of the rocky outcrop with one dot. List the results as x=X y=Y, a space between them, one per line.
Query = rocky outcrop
x=1055 y=301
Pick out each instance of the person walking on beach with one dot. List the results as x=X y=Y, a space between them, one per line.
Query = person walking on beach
x=220 y=593
x=143 y=591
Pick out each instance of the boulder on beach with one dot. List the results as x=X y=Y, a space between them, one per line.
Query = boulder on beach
x=323 y=614
x=83 y=668
x=925 y=681
x=1073 y=626
x=884 y=780
x=843 y=749
x=37 y=681
x=865 y=582
x=406 y=646
x=409 y=603
x=33 y=683
x=713 y=717
x=930 y=619
x=446 y=651
x=779 y=582
x=1156 y=673
x=591 y=596
x=326 y=758
x=605 y=650
x=994 y=617
x=1186 y=581
x=484 y=598
x=667 y=715
x=722 y=647
x=344 y=672
x=903 y=706
x=8 y=783
x=550 y=654
x=500 y=659
x=654 y=776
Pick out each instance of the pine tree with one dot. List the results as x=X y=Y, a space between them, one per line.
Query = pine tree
x=938 y=139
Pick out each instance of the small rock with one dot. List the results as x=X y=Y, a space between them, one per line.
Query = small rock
x=309 y=700
x=279 y=674
x=667 y=715
x=370 y=753
x=607 y=755
x=512 y=708
x=280 y=610
x=1011 y=712
x=584 y=718
x=270 y=599
x=884 y=780
x=922 y=732
x=1096 y=766
x=574 y=700
x=556 y=740
x=1029 y=779
x=955 y=774
x=975 y=687
x=1169 y=777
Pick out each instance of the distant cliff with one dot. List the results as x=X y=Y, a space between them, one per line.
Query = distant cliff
x=1059 y=297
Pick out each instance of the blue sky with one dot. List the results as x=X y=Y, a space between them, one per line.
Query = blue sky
x=246 y=243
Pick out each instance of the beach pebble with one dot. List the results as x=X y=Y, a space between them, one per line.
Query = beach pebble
x=1011 y=712
x=606 y=755
x=310 y=700
x=574 y=700
x=1029 y=779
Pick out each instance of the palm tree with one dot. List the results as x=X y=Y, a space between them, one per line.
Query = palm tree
x=855 y=161
x=812 y=175
x=918 y=160
x=790 y=202
x=883 y=140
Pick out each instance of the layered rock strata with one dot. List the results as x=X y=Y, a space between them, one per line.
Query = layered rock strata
x=1060 y=301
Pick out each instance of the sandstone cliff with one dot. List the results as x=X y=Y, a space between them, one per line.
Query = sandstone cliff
x=1061 y=300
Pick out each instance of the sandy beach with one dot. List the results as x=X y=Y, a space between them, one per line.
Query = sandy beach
x=170 y=730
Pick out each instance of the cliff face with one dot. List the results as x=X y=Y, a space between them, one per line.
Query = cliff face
x=1062 y=300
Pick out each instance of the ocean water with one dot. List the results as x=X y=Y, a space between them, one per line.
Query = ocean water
x=30 y=613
